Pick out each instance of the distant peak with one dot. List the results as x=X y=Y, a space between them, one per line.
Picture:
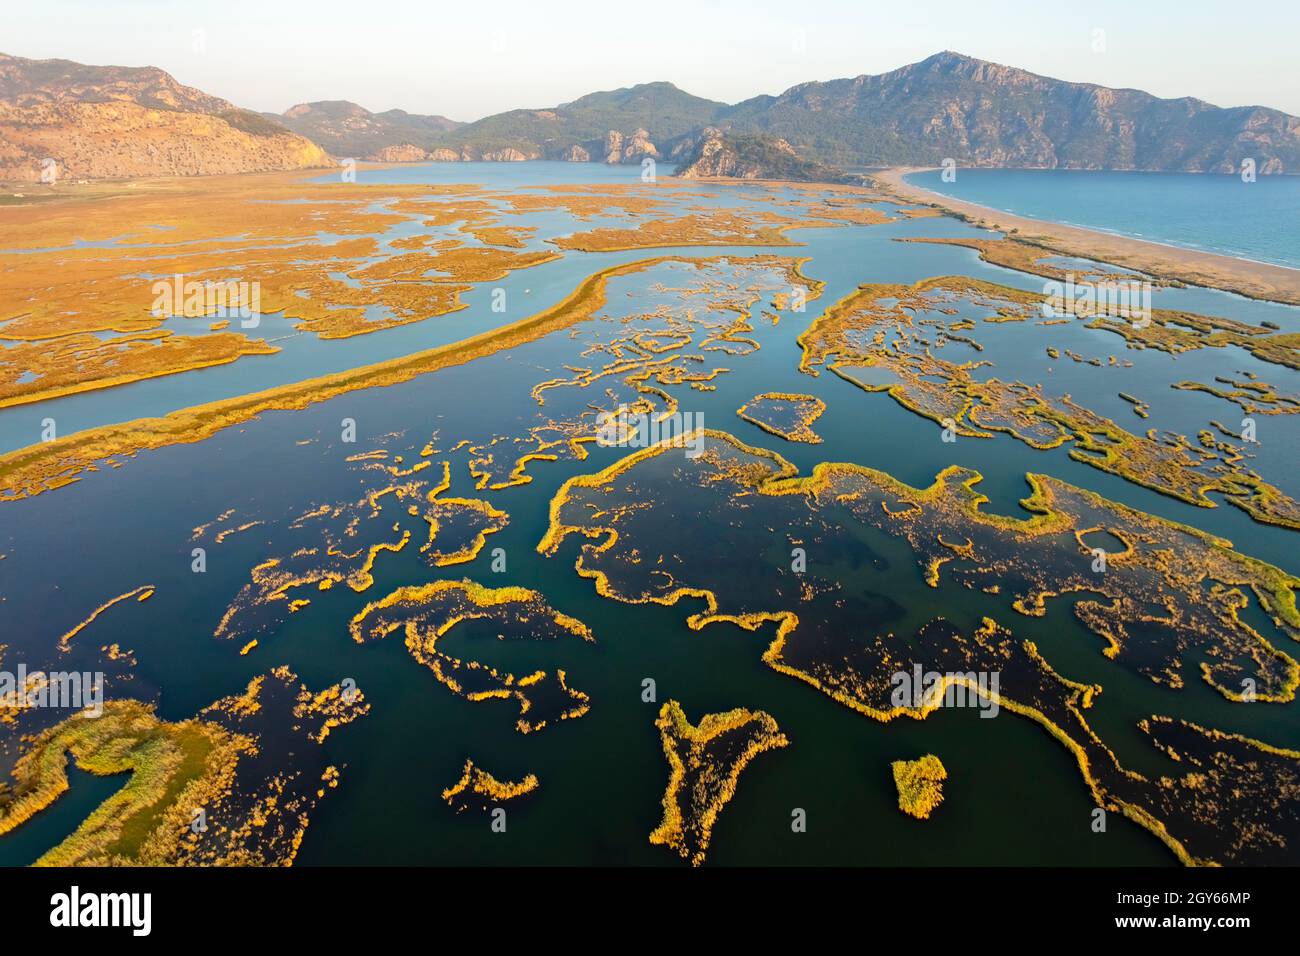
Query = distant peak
x=654 y=86
x=330 y=107
x=951 y=58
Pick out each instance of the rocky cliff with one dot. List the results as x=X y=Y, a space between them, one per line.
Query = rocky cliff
x=717 y=154
x=403 y=153
x=628 y=147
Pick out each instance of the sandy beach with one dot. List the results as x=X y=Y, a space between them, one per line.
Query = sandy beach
x=1257 y=280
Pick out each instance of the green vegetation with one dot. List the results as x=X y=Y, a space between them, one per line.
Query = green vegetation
x=661 y=108
x=753 y=156
x=252 y=123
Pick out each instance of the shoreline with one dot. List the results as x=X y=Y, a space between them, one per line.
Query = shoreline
x=1254 y=280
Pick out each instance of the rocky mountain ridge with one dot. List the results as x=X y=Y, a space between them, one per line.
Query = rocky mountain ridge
x=91 y=122
x=948 y=106
x=347 y=130
x=62 y=120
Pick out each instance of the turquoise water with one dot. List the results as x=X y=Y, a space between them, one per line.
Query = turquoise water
x=1258 y=221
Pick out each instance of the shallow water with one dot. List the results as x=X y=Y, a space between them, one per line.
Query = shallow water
x=1014 y=795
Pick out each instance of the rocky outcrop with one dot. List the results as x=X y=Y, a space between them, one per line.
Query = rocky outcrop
x=614 y=147
x=444 y=155
x=576 y=154
x=628 y=148
x=89 y=122
x=717 y=154
x=509 y=155
x=709 y=156
x=405 y=153
x=639 y=146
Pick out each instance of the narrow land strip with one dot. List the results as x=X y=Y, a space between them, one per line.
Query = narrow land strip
x=1256 y=280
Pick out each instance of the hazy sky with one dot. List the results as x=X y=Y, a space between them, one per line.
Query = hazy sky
x=469 y=59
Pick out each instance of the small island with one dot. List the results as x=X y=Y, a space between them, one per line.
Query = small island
x=920 y=785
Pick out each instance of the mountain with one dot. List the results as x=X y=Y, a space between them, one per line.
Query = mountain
x=984 y=114
x=659 y=111
x=714 y=153
x=346 y=129
x=91 y=122
x=95 y=121
x=946 y=106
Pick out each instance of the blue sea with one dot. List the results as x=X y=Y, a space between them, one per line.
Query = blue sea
x=1213 y=213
